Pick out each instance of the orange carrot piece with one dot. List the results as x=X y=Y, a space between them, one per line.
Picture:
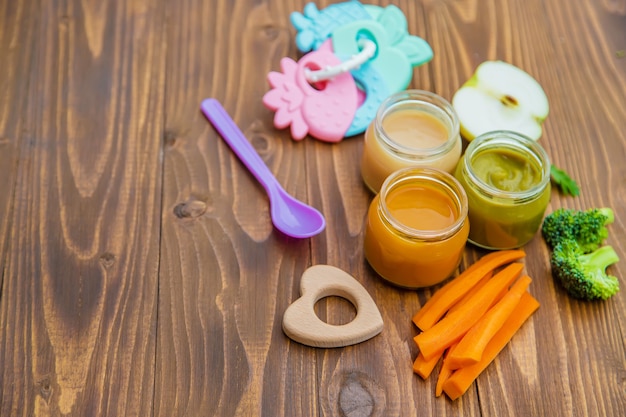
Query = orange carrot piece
x=424 y=368
x=470 y=349
x=462 y=379
x=444 y=373
x=471 y=292
x=452 y=327
x=453 y=291
x=438 y=296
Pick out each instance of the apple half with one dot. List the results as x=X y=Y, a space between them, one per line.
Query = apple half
x=500 y=96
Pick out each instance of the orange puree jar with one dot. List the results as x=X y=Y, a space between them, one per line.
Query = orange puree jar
x=411 y=128
x=417 y=227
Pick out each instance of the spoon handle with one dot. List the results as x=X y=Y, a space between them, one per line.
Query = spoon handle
x=237 y=141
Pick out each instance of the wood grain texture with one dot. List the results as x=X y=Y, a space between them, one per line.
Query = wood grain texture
x=141 y=274
x=79 y=295
x=17 y=35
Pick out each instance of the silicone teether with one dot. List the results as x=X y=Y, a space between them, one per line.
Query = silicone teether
x=315 y=26
x=397 y=52
x=375 y=91
x=416 y=49
x=325 y=112
x=350 y=64
x=301 y=324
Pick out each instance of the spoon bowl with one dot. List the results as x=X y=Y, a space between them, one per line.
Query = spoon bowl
x=293 y=217
x=289 y=215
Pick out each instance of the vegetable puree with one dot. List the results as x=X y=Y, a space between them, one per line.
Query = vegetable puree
x=416 y=228
x=506 y=170
x=506 y=177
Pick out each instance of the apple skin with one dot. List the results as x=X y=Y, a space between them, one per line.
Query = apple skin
x=500 y=96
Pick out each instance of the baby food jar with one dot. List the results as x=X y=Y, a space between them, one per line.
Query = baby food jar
x=507 y=180
x=411 y=128
x=417 y=227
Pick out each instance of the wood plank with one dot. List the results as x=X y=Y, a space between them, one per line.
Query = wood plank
x=371 y=378
x=226 y=274
x=18 y=30
x=18 y=27
x=78 y=308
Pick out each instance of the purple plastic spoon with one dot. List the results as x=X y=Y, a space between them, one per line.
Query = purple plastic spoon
x=290 y=216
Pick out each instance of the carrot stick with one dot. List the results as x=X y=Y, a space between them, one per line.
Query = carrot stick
x=470 y=349
x=438 y=296
x=444 y=372
x=452 y=327
x=424 y=368
x=453 y=291
x=471 y=292
x=460 y=381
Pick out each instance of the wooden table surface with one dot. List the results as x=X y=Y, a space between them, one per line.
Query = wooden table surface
x=140 y=272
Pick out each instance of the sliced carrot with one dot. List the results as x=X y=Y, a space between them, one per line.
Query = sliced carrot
x=444 y=373
x=459 y=382
x=454 y=290
x=424 y=368
x=470 y=349
x=452 y=327
x=471 y=292
x=439 y=295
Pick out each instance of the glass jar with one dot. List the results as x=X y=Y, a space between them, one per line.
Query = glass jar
x=417 y=227
x=411 y=128
x=507 y=180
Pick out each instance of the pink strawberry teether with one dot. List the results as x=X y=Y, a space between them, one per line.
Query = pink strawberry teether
x=324 y=111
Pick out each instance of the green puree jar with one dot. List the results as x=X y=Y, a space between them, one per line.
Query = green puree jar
x=507 y=180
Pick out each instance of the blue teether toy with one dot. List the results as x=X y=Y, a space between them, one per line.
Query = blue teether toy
x=315 y=26
x=376 y=91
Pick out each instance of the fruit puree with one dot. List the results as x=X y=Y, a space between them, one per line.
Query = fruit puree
x=415 y=129
x=411 y=128
x=416 y=228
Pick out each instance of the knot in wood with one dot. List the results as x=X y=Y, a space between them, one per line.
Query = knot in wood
x=107 y=259
x=169 y=138
x=45 y=388
x=355 y=400
x=271 y=31
x=190 y=209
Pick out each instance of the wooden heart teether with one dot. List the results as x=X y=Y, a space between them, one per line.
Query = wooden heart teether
x=301 y=323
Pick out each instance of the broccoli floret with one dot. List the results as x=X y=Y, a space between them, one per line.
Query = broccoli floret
x=587 y=228
x=584 y=275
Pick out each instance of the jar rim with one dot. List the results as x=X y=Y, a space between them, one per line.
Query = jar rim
x=443 y=110
x=444 y=181
x=510 y=140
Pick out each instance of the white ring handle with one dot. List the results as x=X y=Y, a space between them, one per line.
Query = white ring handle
x=367 y=52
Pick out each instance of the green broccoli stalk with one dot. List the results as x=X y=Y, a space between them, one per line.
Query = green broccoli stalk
x=583 y=275
x=587 y=228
